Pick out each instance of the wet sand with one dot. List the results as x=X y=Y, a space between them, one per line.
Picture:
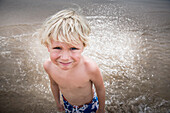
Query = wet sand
x=24 y=103
x=130 y=43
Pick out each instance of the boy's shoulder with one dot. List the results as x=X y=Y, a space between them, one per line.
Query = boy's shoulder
x=90 y=65
x=47 y=64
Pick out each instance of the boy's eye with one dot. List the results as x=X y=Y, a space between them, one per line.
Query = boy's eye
x=73 y=48
x=57 y=48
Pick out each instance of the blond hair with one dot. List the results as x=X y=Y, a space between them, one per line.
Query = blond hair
x=65 y=26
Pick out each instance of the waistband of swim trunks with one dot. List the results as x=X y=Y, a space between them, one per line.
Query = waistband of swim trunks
x=79 y=106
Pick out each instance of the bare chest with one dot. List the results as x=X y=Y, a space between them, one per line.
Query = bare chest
x=72 y=80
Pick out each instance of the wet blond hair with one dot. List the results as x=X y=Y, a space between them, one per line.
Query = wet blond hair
x=65 y=26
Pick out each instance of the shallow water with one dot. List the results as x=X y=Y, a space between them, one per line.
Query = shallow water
x=130 y=41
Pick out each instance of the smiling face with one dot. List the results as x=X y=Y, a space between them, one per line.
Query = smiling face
x=65 y=56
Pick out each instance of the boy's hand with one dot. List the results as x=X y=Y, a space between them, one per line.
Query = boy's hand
x=100 y=111
x=60 y=108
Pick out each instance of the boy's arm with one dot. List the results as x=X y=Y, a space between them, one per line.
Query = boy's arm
x=55 y=89
x=100 y=89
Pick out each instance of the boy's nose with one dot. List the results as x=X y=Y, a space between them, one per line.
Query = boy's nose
x=65 y=55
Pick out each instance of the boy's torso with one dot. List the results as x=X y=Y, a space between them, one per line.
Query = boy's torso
x=75 y=85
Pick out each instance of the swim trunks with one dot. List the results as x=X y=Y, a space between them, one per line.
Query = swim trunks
x=86 y=108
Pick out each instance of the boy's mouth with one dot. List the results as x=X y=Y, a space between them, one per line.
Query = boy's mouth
x=65 y=63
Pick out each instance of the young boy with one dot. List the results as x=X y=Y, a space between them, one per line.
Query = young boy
x=65 y=35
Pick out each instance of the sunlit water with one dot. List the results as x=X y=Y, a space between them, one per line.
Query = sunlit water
x=130 y=41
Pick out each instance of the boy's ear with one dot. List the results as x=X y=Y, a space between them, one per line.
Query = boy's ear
x=48 y=49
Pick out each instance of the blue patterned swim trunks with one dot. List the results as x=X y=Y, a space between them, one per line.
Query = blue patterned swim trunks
x=86 y=108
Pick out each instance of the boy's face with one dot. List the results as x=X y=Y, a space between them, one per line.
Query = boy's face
x=64 y=55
